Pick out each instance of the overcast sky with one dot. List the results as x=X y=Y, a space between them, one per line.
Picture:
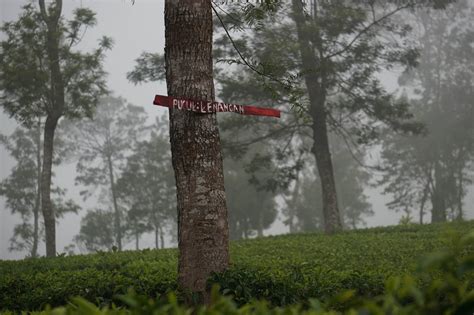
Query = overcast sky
x=134 y=28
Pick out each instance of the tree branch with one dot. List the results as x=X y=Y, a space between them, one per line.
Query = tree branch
x=367 y=28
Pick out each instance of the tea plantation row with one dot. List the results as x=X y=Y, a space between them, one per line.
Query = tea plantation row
x=283 y=270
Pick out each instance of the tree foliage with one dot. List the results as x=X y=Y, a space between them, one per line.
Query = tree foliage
x=21 y=189
x=434 y=171
x=25 y=78
x=97 y=231
x=147 y=187
x=102 y=145
x=42 y=75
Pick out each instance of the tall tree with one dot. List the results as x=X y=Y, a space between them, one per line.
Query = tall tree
x=203 y=232
x=351 y=179
x=42 y=75
x=434 y=170
x=97 y=231
x=252 y=209
x=324 y=58
x=147 y=187
x=22 y=188
x=102 y=145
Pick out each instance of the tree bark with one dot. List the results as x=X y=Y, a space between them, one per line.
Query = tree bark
x=438 y=213
x=162 y=238
x=423 y=201
x=55 y=111
x=292 y=206
x=34 y=248
x=117 y=225
x=156 y=237
x=438 y=198
x=46 y=174
x=195 y=146
x=260 y=226
x=137 y=240
x=460 y=194
x=314 y=79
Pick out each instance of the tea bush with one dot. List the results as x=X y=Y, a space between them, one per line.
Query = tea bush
x=284 y=270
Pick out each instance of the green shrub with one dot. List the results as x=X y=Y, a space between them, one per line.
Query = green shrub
x=449 y=292
x=283 y=270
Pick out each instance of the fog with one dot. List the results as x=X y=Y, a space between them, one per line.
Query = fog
x=136 y=28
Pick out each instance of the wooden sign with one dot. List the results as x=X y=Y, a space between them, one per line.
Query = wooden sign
x=206 y=107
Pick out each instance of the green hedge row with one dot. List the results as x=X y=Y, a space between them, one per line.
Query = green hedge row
x=449 y=292
x=283 y=270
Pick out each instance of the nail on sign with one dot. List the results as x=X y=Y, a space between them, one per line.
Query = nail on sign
x=206 y=107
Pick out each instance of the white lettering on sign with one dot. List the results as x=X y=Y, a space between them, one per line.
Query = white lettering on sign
x=207 y=107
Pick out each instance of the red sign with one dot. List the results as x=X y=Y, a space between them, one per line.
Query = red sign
x=206 y=107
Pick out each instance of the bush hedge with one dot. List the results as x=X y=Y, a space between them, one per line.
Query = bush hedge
x=283 y=270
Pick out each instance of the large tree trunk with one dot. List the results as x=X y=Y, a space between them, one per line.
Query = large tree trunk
x=438 y=212
x=314 y=80
x=117 y=224
x=55 y=111
x=36 y=213
x=195 y=146
x=46 y=204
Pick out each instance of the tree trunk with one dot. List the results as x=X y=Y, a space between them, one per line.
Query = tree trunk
x=438 y=213
x=460 y=214
x=137 y=240
x=46 y=174
x=162 y=238
x=55 y=111
x=260 y=226
x=156 y=237
x=292 y=207
x=34 y=248
x=314 y=80
x=203 y=232
x=423 y=202
x=117 y=225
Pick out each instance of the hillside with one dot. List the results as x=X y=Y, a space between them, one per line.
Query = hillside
x=282 y=269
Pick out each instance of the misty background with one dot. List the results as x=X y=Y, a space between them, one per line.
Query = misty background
x=134 y=29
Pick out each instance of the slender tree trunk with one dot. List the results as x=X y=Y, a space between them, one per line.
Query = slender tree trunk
x=260 y=226
x=292 y=210
x=422 y=206
x=162 y=238
x=460 y=215
x=117 y=225
x=203 y=232
x=314 y=80
x=46 y=204
x=438 y=201
x=55 y=111
x=156 y=237
x=423 y=202
x=137 y=240
x=36 y=213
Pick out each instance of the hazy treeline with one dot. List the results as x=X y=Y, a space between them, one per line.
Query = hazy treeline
x=312 y=167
